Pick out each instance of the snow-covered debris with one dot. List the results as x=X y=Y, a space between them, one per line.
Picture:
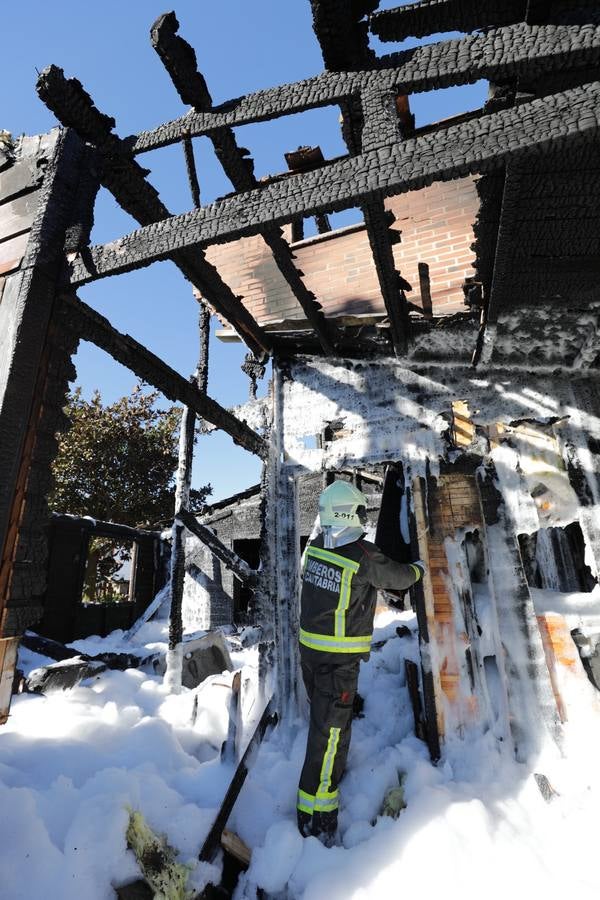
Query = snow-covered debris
x=73 y=763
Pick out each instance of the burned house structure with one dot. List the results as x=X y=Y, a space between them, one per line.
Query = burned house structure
x=470 y=397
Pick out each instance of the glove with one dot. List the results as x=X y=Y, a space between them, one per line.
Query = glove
x=420 y=565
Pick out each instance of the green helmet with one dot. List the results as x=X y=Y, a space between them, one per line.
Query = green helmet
x=341 y=505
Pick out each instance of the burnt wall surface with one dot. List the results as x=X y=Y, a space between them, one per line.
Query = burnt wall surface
x=38 y=189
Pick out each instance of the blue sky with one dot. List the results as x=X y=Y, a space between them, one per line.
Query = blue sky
x=241 y=45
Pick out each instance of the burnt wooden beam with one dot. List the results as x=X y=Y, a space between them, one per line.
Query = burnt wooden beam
x=368 y=123
x=95 y=328
x=179 y=59
x=126 y=180
x=231 y=560
x=213 y=839
x=567 y=119
x=373 y=124
x=190 y=165
x=499 y=56
x=435 y=16
x=98 y=528
x=425 y=287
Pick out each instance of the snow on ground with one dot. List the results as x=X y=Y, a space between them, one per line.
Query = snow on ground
x=476 y=825
x=72 y=763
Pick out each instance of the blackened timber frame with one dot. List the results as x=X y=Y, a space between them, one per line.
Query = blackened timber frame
x=479 y=145
x=126 y=180
x=179 y=60
x=497 y=56
x=235 y=563
x=93 y=327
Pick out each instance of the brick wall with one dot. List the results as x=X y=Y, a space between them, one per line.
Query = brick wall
x=436 y=226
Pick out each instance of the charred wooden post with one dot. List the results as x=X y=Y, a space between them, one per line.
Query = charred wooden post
x=425 y=287
x=254 y=369
x=190 y=164
x=322 y=222
x=230 y=559
x=36 y=344
x=126 y=180
x=182 y=498
x=280 y=581
x=180 y=61
x=187 y=436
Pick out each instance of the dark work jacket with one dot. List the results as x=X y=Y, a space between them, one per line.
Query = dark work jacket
x=339 y=594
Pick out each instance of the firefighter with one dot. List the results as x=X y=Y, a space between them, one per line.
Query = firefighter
x=340 y=577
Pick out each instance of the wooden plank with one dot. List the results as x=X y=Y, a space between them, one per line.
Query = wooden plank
x=8 y=660
x=17 y=215
x=23 y=176
x=12 y=252
x=424 y=597
x=234 y=845
x=213 y=839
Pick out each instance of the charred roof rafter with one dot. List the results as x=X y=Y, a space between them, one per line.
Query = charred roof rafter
x=179 y=59
x=499 y=55
x=93 y=327
x=126 y=180
x=434 y=16
x=368 y=123
x=479 y=145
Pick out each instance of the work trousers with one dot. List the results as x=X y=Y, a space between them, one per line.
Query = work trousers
x=331 y=689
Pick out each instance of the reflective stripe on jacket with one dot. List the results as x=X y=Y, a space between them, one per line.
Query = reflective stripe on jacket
x=339 y=593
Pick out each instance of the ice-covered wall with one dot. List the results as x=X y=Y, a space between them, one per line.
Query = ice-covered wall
x=528 y=426
x=388 y=411
x=206 y=601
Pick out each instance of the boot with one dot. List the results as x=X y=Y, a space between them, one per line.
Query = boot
x=304 y=823
x=324 y=827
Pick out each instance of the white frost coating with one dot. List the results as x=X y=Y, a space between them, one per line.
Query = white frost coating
x=581 y=610
x=457 y=585
x=174 y=669
x=518 y=501
x=381 y=420
x=404 y=525
x=532 y=703
x=386 y=411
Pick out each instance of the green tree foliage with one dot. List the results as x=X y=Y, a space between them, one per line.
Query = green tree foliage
x=117 y=463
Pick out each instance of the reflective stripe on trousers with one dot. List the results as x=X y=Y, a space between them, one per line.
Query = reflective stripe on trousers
x=324 y=800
